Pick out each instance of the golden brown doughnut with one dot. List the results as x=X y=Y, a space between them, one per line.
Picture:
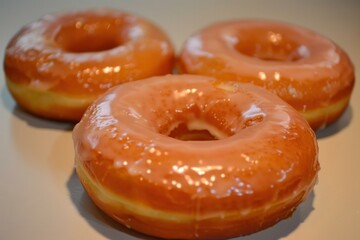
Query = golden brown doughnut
x=56 y=66
x=248 y=161
x=308 y=71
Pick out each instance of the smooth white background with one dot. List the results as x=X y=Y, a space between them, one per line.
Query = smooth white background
x=40 y=195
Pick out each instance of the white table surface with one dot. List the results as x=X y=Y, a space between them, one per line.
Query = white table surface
x=40 y=195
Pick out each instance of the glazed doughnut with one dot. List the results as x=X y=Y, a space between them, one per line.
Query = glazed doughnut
x=56 y=66
x=182 y=156
x=305 y=69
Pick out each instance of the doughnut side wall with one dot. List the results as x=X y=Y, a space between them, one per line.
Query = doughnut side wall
x=261 y=167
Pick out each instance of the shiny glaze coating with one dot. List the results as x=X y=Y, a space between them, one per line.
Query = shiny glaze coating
x=57 y=65
x=305 y=69
x=263 y=163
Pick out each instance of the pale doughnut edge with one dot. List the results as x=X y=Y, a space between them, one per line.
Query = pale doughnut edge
x=49 y=104
x=321 y=117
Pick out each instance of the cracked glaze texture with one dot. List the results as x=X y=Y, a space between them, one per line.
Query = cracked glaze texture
x=261 y=165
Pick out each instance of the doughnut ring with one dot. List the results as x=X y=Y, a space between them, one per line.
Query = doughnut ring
x=56 y=66
x=185 y=157
x=307 y=70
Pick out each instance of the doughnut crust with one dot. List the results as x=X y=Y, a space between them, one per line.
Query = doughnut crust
x=305 y=69
x=56 y=66
x=142 y=156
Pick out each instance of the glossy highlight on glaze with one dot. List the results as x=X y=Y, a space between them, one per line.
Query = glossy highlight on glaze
x=250 y=176
x=305 y=69
x=78 y=55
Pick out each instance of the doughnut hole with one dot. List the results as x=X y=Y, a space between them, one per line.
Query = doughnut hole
x=270 y=46
x=183 y=132
x=81 y=37
x=210 y=120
